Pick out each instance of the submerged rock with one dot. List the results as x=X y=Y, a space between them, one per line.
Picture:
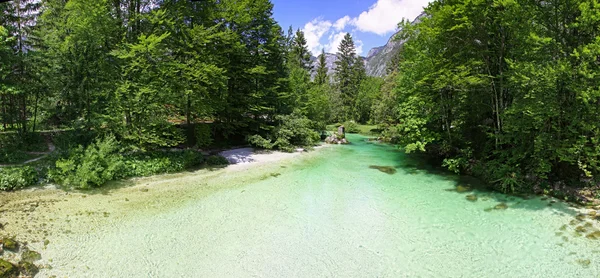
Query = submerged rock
x=7 y=269
x=584 y=263
x=30 y=256
x=580 y=217
x=385 y=169
x=462 y=189
x=471 y=198
x=593 y=235
x=580 y=229
x=501 y=206
x=10 y=244
x=28 y=269
x=592 y=213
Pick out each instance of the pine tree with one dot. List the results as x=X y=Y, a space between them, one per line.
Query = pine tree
x=300 y=54
x=345 y=76
x=322 y=70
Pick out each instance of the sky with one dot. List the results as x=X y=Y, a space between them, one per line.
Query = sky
x=325 y=22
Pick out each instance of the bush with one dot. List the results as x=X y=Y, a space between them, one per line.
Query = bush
x=260 y=142
x=154 y=163
x=17 y=177
x=217 y=160
x=91 y=167
x=203 y=135
x=351 y=127
x=294 y=131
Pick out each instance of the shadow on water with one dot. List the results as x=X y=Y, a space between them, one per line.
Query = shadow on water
x=468 y=187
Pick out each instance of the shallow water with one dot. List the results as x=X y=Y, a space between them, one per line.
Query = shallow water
x=326 y=214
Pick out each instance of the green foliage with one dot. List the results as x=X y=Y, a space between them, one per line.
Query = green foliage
x=351 y=127
x=14 y=178
x=204 y=137
x=154 y=163
x=90 y=167
x=294 y=131
x=494 y=105
x=216 y=160
x=260 y=142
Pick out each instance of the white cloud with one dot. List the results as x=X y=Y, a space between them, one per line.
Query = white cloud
x=383 y=17
x=335 y=39
x=314 y=31
x=334 y=42
x=340 y=24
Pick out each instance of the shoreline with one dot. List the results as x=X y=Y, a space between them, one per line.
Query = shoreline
x=29 y=213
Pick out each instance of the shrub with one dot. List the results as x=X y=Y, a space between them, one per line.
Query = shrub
x=294 y=131
x=154 y=163
x=17 y=177
x=217 y=160
x=260 y=142
x=91 y=167
x=203 y=135
x=351 y=127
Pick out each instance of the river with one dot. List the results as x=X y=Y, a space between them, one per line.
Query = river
x=362 y=210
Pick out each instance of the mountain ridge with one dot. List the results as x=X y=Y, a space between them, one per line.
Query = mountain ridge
x=377 y=58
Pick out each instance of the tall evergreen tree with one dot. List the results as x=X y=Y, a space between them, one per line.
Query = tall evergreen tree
x=301 y=55
x=322 y=70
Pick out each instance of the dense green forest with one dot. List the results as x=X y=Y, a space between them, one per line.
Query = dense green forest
x=113 y=84
x=505 y=90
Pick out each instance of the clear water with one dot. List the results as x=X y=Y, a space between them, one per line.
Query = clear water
x=326 y=214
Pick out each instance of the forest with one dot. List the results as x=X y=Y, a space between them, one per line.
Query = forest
x=114 y=85
x=505 y=90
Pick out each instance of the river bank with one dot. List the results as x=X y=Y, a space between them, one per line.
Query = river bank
x=37 y=216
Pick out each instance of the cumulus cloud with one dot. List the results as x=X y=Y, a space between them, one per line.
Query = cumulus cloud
x=314 y=31
x=383 y=17
x=340 y=24
x=334 y=42
x=335 y=39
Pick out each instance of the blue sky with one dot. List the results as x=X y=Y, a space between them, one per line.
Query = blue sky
x=325 y=22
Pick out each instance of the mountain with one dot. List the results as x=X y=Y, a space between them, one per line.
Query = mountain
x=377 y=58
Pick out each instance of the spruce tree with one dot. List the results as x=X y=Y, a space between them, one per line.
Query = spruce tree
x=301 y=55
x=345 y=77
x=322 y=77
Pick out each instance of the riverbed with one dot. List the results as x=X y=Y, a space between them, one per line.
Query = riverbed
x=361 y=210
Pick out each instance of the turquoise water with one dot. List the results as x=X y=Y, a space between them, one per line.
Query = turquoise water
x=327 y=214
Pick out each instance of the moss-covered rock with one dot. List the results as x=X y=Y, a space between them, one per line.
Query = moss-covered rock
x=471 y=198
x=10 y=244
x=7 y=269
x=31 y=256
x=28 y=269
